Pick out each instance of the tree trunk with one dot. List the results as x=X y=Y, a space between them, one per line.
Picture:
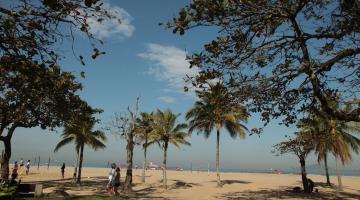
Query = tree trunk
x=76 y=164
x=327 y=171
x=78 y=181
x=303 y=176
x=164 y=166
x=340 y=187
x=129 y=163
x=144 y=164
x=218 y=157
x=5 y=159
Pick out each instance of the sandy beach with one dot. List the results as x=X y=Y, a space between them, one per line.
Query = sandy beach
x=191 y=185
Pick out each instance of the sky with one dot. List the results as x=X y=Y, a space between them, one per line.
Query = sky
x=147 y=60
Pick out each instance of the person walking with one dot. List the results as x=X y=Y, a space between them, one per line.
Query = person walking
x=27 y=167
x=110 y=185
x=63 y=170
x=116 y=181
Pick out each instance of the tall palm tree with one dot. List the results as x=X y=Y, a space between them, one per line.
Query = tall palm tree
x=144 y=127
x=81 y=133
x=217 y=108
x=166 y=132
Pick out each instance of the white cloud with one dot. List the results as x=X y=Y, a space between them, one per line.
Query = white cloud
x=166 y=99
x=112 y=27
x=168 y=64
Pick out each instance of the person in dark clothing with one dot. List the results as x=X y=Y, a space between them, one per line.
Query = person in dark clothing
x=63 y=170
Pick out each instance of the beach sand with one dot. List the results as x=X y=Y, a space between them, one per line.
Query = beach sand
x=191 y=185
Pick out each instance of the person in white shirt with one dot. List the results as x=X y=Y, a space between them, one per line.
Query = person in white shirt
x=112 y=173
x=27 y=167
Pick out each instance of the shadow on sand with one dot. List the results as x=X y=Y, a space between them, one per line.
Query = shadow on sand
x=97 y=185
x=230 y=182
x=288 y=193
x=182 y=185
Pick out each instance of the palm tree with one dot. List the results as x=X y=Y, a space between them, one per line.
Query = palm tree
x=332 y=136
x=81 y=133
x=217 y=108
x=166 y=132
x=144 y=127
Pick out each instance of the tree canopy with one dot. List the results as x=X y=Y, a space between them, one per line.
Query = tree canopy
x=36 y=29
x=280 y=57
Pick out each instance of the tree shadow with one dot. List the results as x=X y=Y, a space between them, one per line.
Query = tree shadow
x=323 y=185
x=94 y=184
x=182 y=185
x=230 y=182
x=287 y=194
x=145 y=193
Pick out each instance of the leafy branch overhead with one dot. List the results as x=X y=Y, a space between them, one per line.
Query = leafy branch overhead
x=280 y=57
x=36 y=29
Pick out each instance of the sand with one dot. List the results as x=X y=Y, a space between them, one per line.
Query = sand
x=191 y=185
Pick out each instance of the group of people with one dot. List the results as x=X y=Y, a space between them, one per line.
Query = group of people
x=17 y=167
x=114 y=180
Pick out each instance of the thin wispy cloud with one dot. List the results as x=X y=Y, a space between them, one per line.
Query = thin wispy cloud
x=167 y=99
x=168 y=63
x=119 y=27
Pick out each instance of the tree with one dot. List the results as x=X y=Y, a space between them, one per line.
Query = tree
x=144 y=126
x=166 y=131
x=32 y=95
x=301 y=146
x=36 y=29
x=125 y=126
x=316 y=127
x=280 y=56
x=217 y=108
x=34 y=91
x=81 y=132
x=332 y=136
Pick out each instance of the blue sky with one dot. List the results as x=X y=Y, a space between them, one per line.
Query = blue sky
x=143 y=58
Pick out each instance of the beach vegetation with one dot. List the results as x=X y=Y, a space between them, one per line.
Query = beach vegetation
x=167 y=131
x=82 y=134
x=217 y=109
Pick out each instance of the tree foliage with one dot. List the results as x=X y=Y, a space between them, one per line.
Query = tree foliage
x=34 y=91
x=217 y=108
x=35 y=29
x=80 y=131
x=281 y=57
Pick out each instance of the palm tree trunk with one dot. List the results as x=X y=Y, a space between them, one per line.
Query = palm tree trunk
x=303 y=175
x=218 y=157
x=340 y=187
x=327 y=171
x=129 y=162
x=76 y=164
x=164 y=165
x=80 y=164
x=144 y=163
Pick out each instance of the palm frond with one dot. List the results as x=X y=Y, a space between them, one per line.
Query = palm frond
x=63 y=142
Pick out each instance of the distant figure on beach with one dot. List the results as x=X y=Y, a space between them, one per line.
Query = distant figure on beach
x=63 y=170
x=112 y=174
x=27 y=167
x=116 y=181
x=21 y=162
x=311 y=185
